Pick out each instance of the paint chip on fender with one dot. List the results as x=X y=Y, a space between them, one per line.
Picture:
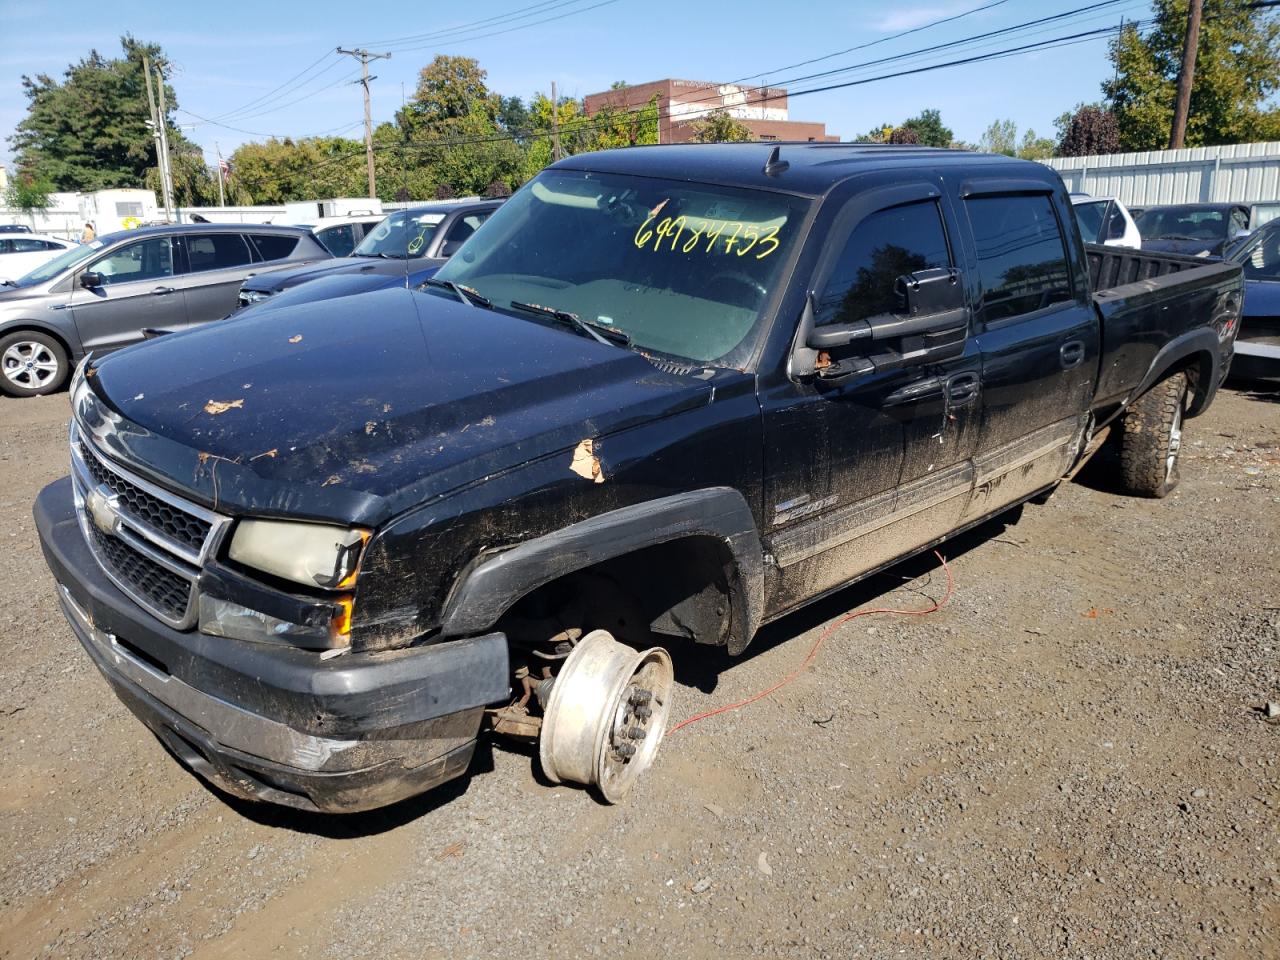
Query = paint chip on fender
x=585 y=463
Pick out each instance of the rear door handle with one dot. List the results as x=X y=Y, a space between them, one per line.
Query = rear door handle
x=1071 y=353
x=962 y=389
x=160 y=291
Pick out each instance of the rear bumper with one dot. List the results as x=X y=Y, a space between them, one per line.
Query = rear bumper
x=278 y=724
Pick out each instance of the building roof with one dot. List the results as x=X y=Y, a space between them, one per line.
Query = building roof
x=814 y=168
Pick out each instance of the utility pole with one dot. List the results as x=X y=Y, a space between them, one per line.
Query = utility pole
x=556 y=152
x=164 y=142
x=364 y=56
x=1186 y=76
x=222 y=196
x=157 y=127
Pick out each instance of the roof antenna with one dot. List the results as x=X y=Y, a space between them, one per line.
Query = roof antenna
x=775 y=165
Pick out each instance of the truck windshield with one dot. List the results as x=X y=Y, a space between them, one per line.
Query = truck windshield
x=1182 y=223
x=682 y=268
x=401 y=236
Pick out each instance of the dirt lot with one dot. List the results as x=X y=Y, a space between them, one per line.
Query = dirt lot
x=1068 y=760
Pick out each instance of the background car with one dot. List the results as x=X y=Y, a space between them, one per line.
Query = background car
x=1197 y=229
x=1105 y=220
x=15 y=228
x=101 y=295
x=1258 y=343
x=21 y=253
x=340 y=235
x=432 y=232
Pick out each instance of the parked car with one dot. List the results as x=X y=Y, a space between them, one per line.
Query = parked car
x=101 y=295
x=1258 y=344
x=431 y=232
x=680 y=390
x=1105 y=220
x=15 y=228
x=21 y=253
x=346 y=284
x=340 y=235
x=1197 y=229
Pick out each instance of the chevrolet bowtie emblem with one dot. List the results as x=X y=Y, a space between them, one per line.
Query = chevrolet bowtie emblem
x=102 y=510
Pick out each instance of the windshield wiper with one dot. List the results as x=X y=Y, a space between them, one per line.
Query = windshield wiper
x=7 y=283
x=595 y=331
x=469 y=296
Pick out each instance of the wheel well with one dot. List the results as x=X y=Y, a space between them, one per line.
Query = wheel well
x=680 y=588
x=1200 y=380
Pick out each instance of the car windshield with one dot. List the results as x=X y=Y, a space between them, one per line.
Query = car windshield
x=682 y=268
x=401 y=235
x=1089 y=216
x=63 y=261
x=1260 y=257
x=1182 y=223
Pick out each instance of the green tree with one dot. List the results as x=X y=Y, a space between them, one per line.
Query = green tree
x=1035 y=148
x=1237 y=72
x=719 y=126
x=29 y=193
x=1000 y=137
x=929 y=129
x=89 y=131
x=278 y=171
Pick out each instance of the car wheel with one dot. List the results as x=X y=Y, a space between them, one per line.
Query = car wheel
x=31 y=364
x=1151 y=439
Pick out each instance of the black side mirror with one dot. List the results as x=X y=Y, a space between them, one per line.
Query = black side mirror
x=90 y=280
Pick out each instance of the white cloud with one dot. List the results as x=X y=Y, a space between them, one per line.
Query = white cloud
x=906 y=18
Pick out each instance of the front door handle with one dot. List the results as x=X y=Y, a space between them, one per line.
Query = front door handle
x=962 y=389
x=919 y=390
x=161 y=291
x=1071 y=354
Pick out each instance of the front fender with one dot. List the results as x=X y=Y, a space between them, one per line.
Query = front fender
x=493 y=582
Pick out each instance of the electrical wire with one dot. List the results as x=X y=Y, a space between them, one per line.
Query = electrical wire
x=277 y=89
x=496 y=20
x=393 y=48
x=826 y=634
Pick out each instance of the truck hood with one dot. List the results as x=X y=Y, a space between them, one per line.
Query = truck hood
x=346 y=284
x=276 y=280
x=355 y=409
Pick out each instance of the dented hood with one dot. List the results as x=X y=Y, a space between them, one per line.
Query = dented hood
x=357 y=408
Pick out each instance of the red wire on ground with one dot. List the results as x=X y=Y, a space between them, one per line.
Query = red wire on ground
x=817 y=645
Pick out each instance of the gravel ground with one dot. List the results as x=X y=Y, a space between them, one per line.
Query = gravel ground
x=1069 y=760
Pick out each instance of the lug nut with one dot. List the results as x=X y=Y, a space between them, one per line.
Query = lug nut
x=641 y=696
x=636 y=733
x=643 y=712
x=625 y=749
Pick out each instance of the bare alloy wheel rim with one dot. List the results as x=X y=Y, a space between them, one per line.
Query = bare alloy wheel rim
x=1175 y=443
x=29 y=364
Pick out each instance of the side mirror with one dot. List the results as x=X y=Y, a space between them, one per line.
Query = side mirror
x=90 y=280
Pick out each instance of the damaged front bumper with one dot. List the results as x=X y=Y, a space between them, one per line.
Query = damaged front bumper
x=275 y=723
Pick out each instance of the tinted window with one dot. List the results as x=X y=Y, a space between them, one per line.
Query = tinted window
x=29 y=245
x=1182 y=223
x=273 y=246
x=145 y=260
x=216 y=251
x=1262 y=261
x=1021 y=259
x=1116 y=226
x=1089 y=216
x=882 y=248
x=6 y=246
x=339 y=240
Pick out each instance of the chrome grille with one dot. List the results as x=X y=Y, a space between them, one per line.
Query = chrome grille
x=150 y=542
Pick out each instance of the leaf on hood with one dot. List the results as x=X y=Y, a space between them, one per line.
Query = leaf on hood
x=215 y=407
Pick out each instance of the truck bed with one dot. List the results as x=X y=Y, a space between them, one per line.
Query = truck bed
x=1147 y=301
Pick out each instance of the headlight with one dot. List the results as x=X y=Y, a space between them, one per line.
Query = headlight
x=252 y=296
x=313 y=554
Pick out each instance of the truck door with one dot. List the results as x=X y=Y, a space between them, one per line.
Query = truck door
x=836 y=448
x=1038 y=336
x=138 y=289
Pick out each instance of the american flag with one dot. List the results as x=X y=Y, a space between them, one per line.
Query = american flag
x=224 y=168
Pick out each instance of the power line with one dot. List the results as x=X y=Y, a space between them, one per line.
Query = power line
x=273 y=91
x=396 y=47
x=507 y=17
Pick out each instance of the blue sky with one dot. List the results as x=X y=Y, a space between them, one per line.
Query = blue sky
x=230 y=53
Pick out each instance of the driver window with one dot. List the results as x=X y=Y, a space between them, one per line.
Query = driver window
x=882 y=248
x=145 y=260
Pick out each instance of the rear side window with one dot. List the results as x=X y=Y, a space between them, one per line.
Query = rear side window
x=217 y=251
x=273 y=246
x=1022 y=261
x=339 y=240
x=883 y=247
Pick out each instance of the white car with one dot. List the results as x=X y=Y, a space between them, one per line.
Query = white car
x=340 y=235
x=1105 y=220
x=20 y=253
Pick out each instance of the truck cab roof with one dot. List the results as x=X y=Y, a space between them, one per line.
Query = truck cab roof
x=811 y=170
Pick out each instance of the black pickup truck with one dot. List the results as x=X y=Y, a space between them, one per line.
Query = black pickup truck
x=674 y=391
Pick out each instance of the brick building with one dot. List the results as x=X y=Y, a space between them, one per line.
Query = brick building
x=681 y=102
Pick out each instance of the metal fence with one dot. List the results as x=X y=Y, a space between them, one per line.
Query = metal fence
x=1241 y=173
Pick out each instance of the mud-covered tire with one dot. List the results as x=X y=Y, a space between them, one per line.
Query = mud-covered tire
x=32 y=364
x=1151 y=439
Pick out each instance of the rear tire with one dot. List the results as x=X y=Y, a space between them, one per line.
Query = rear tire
x=32 y=364
x=1151 y=439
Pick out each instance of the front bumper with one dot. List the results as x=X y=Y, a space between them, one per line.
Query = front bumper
x=277 y=723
